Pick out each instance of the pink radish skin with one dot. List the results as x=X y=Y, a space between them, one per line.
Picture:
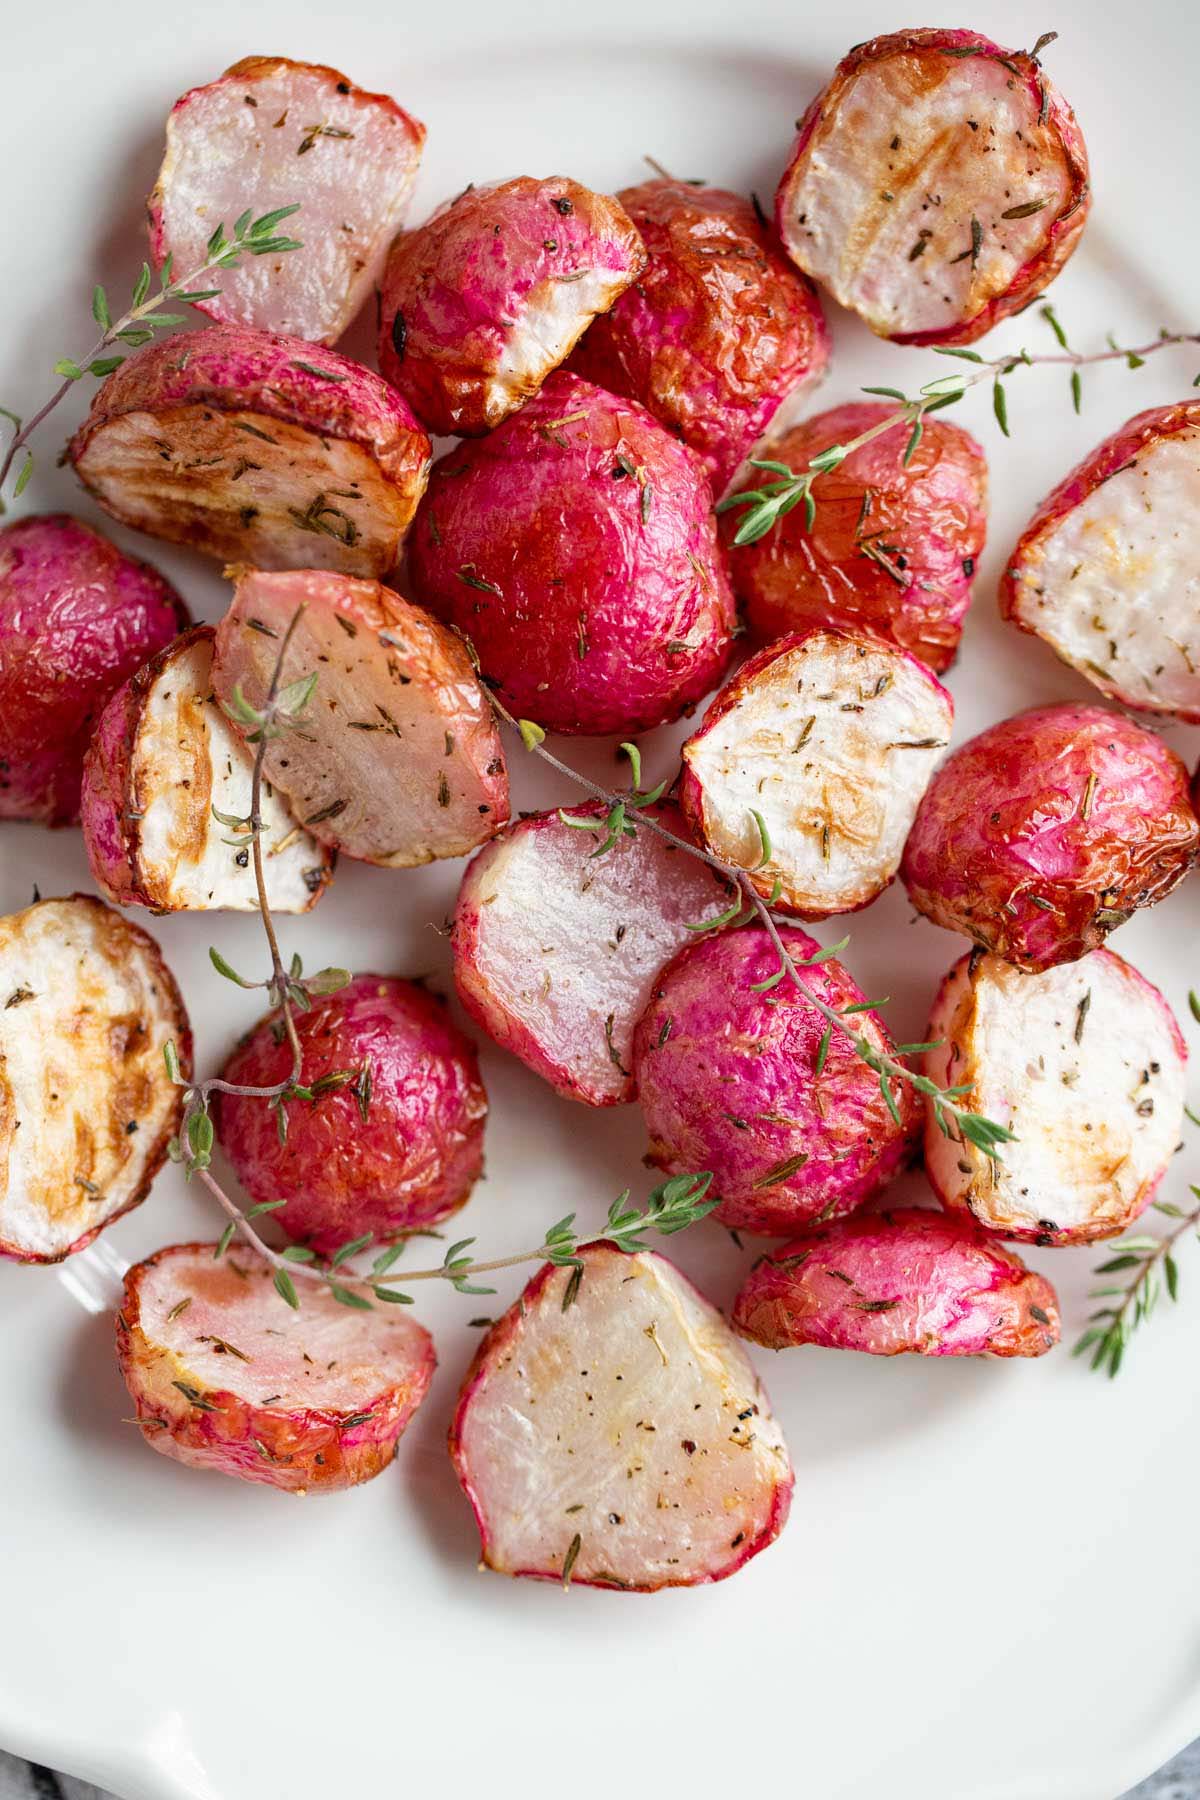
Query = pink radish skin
x=1010 y=169
x=894 y=1282
x=255 y=132
x=406 y=1165
x=256 y=448
x=621 y=1441
x=76 y=618
x=555 y=954
x=575 y=547
x=225 y=1376
x=728 y=1082
x=482 y=302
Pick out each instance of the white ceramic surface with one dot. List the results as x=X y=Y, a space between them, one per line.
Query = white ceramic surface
x=988 y=1589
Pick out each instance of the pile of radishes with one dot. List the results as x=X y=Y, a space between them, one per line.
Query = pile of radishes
x=609 y=366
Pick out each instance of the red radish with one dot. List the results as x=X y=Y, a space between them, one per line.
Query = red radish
x=1041 y=835
x=76 y=618
x=225 y=1376
x=575 y=547
x=286 y=133
x=555 y=951
x=937 y=184
x=164 y=763
x=894 y=545
x=809 y=766
x=256 y=448
x=621 y=1438
x=893 y=1282
x=483 y=301
x=720 y=337
x=87 y=1005
x=400 y=760
x=392 y=1138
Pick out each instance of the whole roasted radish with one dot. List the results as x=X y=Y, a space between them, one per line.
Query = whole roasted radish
x=791 y=1122
x=575 y=547
x=1107 y=572
x=936 y=185
x=479 y=304
x=612 y=1432
x=1086 y=1066
x=295 y=135
x=809 y=765
x=225 y=1376
x=556 y=950
x=163 y=764
x=719 y=336
x=1041 y=835
x=389 y=1137
x=892 y=1282
x=893 y=546
x=399 y=759
x=76 y=618
x=87 y=1005
x=256 y=448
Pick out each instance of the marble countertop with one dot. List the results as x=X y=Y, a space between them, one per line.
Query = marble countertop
x=1178 y=1780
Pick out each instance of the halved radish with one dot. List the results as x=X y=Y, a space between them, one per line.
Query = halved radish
x=86 y=1108
x=892 y=1282
x=163 y=764
x=937 y=184
x=619 y=1438
x=224 y=1375
x=480 y=303
x=400 y=760
x=256 y=448
x=555 y=951
x=1086 y=1066
x=284 y=133
x=1107 y=572
x=810 y=764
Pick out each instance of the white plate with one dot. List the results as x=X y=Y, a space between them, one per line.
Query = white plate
x=983 y=1593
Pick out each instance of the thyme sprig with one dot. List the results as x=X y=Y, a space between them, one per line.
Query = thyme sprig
x=144 y=316
x=954 y=1120
x=1151 y=1266
x=763 y=507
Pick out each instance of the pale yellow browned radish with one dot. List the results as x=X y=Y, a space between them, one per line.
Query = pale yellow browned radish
x=225 y=1376
x=288 y=133
x=611 y=1431
x=86 y=1107
x=399 y=761
x=1086 y=1066
x=164 y=764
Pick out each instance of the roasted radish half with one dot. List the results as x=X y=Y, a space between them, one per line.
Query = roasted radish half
x=719 y=337
x=937 y=185
x=1048 y=830
x=894 y=544
x=76 y=617
x=893 y=1282
x=809 y=766
x=164 y=764
x=789 y=1119
x=1086 y=1066
x=1108 y=570
x=289 y=133
x=390 y=1138
x=575 y=547
x=225 y=1376
x=399 y=761
x=256 y=448
x=555 y=950
x=480 y=304
x=86 y=1108
x=620 y=1437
